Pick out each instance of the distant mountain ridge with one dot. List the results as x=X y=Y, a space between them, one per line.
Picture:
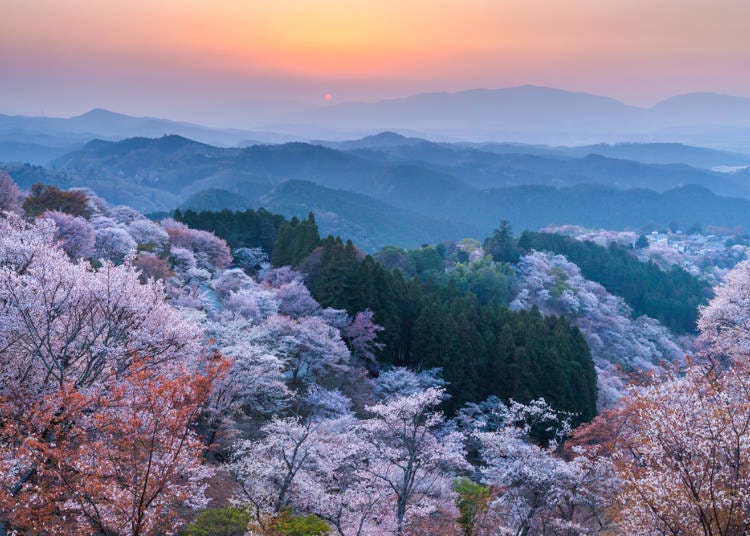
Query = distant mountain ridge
x=38 y=140
x=525 y=114
x=704 y=108
x=534 y=114
x=101 y=123
x=403 y=190
x=648 y=153
x=420 y=175
x=400 y=194
x=481 y=107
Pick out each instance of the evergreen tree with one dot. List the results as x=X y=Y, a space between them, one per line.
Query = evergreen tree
x=483 y=348
x=295 y=240
x=502 y=245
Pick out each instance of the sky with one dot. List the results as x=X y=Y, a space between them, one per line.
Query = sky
x=248 y=62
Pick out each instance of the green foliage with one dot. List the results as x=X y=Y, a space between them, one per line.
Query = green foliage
x=426 y=259
x=247 y=229
x=642 y=242
x=289 y=524
x=295 y=240
x=216 y=199
x=44 y=197
x=227 y=521
x=288 y=242
x=672 y=296
x=487 y=280
x=488 y=350
x=501 y=245
x=472 y=502
x=483 y=348
x=393 y=257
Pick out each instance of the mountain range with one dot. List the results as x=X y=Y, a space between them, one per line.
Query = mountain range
x=418 y=175
x=41 y=139
x=392 y=189
x=524 y=114
x=534 y=114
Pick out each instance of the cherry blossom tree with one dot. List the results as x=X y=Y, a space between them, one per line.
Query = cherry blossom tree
x=534 y=489
x=343 y=491
x=62 y=321
x=10 y=196
x=401 y=381
x=336 y=318
x=148 y=235
x=317 y=466
x=362 y=335
x=295 y=300
x=270 y=471
x=281 y=276
x=366 y=477
x=308 y=346
x=76 y=235
x=122 y=214
x=725 y=322
x=257 y=379
x=325 y=404
x=117 y=461
x=252 y=259
x=211 y=252
x=536 y=484
x=409 y=457
x=682 y=454
x=113 y=242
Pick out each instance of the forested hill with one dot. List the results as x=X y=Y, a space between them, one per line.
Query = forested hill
x=672 y=297
x=482 y=348
x=402 y=191
x=435 y=319
x=325 y=365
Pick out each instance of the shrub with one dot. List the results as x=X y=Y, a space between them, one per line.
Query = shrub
x=290 y=524
x=227 y=521
x=44 y=197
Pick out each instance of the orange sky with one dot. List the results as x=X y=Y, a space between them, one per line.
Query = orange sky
x=68 y=55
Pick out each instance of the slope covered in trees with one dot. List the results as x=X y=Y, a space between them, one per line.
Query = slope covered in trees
x=476 y=362
x=151 y=350
x=620 y=343
x=438 y=302
x=483 y=349
x=672 y=296
x=240 y=229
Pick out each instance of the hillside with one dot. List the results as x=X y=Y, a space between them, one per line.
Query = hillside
x=184 y=167
x=367 y=222
x=390 y=189
x=644 y=152
x=529 y=207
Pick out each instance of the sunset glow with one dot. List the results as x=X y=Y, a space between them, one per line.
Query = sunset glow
x=638 y=50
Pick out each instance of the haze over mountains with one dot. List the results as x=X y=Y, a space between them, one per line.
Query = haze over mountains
x=533 y=114
x=402 y=188
x=392 y=189
x=524 y=114
x=40 y=139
